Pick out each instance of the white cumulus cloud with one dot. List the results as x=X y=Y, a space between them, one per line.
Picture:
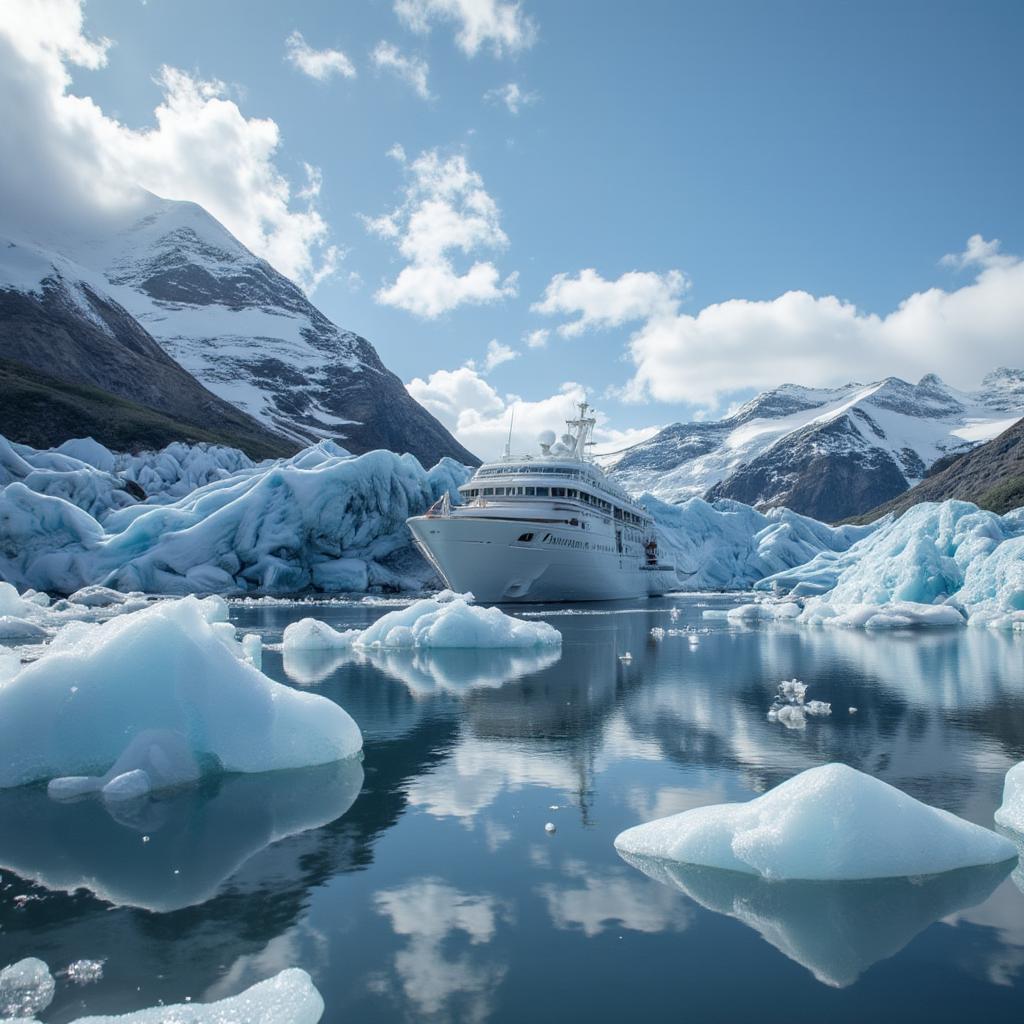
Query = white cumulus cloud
x=498 y=24
x=498 y=354
x=512 y=95
x=445 y=211
x=318 y=64
x=473 y=410
x=740 y=344
x=66 y=164
x=412 y=70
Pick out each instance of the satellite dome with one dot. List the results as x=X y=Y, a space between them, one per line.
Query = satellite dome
x=568 y=440
x=546 y=437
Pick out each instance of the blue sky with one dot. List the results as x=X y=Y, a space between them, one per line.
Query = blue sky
x=839 y=149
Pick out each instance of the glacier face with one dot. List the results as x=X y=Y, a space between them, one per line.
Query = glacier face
x=323 y=519
x=826 y=452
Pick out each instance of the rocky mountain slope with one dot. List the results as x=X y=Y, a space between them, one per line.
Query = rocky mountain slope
x=57 y=319
x=827 y=453
x=245 y=332
x=991 y=475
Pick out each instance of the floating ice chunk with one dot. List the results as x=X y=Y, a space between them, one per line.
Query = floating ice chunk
x=161 y=668
x=12 y=627
x=288 y=998
x=626 y=657
x=819 y=708
x=448 y=620
x=26 y=988
x=793 y=691
x=11 y=602
x=252 y=647
x=97 y=597
x=549 y=827
x=827 y=823
x=1011 y=811
x=128 y=785
x=852 y=711
x=657 y=633
x=313 y=635
x=84 y=972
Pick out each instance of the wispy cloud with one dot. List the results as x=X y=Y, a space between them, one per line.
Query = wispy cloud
x=318 y=64
x=512 y=96
x=499 y=25
x=412 y=70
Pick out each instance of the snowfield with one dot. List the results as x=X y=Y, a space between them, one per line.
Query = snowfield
x=831 y=823
x=154 y=698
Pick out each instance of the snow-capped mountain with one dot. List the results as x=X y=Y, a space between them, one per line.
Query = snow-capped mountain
x=247 y=333
x=824 y=452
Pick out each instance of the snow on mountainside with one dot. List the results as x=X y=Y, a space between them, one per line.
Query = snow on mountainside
x=826 y=452
x=244 y=331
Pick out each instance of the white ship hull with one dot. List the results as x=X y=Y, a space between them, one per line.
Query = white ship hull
x=486 y=555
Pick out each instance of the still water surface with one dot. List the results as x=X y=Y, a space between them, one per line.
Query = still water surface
x=421 y=885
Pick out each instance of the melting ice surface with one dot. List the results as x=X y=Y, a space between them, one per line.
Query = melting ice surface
x=831 y=823
x=435 y=893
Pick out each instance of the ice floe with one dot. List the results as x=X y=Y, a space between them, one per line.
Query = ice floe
x=445 y=620
x=172 y=669
x=942 y=564
x=829 y=823
x=26 y=988
x=289 y=996
x=322 y=519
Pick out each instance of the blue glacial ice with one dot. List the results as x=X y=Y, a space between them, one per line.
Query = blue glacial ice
x=160 y=691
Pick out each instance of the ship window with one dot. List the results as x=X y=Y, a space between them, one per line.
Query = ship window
x=558 y=492
x=531 y=490
x=525 y=538
x=543 y=492
x=488 y=490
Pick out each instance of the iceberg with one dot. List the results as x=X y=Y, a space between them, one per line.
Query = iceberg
x=176 y=668
x=726 y=545
x=313 y=635
x=831 y=823
x=322 y=519
x=450 y=620
x=836 y=930
x=939 y=564
x=1010 y=814
x=289 y=996
x=26 y=988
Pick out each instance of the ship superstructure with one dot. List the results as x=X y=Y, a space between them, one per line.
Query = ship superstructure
x=549 y=527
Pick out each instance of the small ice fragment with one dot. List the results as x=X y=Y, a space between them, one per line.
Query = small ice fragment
x=818 y=707
x=84 y=972
x=549 y=827
x=852 y=711
x=26 y=988
x=145 y=839
x=657 y=633
x=128 y=785
x=626 y=657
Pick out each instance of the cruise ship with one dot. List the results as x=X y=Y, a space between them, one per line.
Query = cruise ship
x=548 y=527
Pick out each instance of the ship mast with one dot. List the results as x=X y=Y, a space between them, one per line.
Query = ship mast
x=581 y=428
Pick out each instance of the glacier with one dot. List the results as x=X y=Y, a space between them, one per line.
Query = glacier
x=726 y=545
x=172 y=685
x=322 y=519
x=938 y=564
x=831 y=823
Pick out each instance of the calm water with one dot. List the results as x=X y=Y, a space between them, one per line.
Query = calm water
x=422 y=885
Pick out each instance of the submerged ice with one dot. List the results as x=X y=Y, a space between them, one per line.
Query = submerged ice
x=828 y=823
